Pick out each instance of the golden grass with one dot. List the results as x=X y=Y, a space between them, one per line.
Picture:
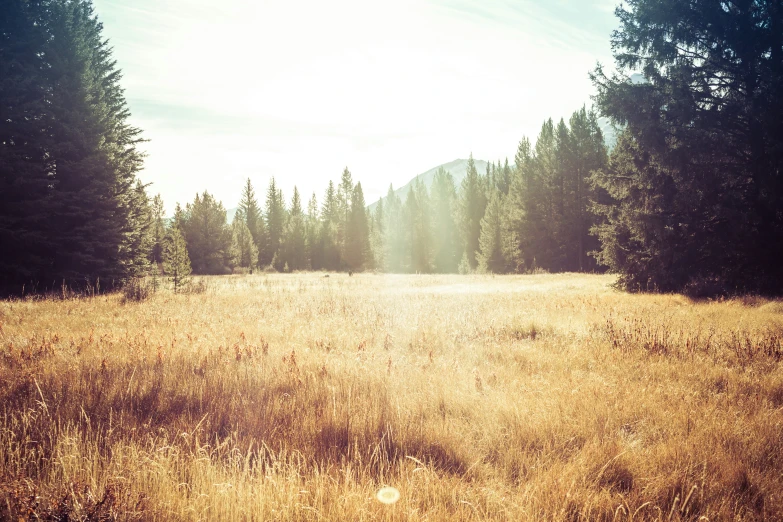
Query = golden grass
x=297 y=397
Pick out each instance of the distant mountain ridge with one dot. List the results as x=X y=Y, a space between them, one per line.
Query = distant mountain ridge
x=457 y=168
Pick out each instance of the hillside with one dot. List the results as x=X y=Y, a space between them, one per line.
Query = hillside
x=457 y=168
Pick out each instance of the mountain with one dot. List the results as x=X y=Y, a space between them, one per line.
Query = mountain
x=457 y=168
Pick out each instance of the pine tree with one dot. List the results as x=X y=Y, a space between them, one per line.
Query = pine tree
x=706 y=130
x=176 y=263
x=68 y=157
x=95 y=159
x=396 y=251
x=136 y=249
x=25 y=163
x=158 y=230
x=378 y=237
x=588 y=154
x=329 y=223
x=490 y=258
x=445 y=236
x=207 y=234
x=253 y=217
x=472 y=204
x=357 y=237
x=312 y=241
x=275 y=223
x=523 y=216
x=244 y=252
x=295 y=255
x=343 y=209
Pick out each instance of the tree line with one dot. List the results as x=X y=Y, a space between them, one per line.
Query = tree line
x=274 y=235
x=534 y=214
x=690 y=199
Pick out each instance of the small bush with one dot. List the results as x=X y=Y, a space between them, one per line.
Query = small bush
x=138 y=289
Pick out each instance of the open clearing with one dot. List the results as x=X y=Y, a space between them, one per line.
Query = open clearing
x=297 y=397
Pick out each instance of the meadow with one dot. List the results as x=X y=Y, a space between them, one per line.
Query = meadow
x=298 y=396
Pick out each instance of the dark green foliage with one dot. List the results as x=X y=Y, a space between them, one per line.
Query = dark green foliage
x=312 y=241
x=68 y=162
x=275 y=224
x=377 y=236
x=343 y=214
x=395 y=239
x=244 y=253
x=416 y=219
x=251 y=214
x=137 y=248
x=491 y=258
x=25 y=166
x=329 y=248
x=547 y=216
x=697 y=185
x=158 y=230
x=472 y=203
x=208 y=237
x=358 y=254
x=645 y=248
x=445 y=237
x=176 y=263
x=295 y=253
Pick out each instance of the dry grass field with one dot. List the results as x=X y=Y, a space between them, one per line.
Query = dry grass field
x=296 y=397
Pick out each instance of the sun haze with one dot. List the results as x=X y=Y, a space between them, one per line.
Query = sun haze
x=298 y=90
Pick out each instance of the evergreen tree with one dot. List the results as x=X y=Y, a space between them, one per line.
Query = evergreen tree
x=207 y=235
x=546 y=171
x=176 y=263
x=252 y=215
x=417 y=233
x=357 y=249
x=445 y=235
x=25 y=163
x=275 y=223
x=491 y=258
x=395 y=251
x=522 y=215
x=95 y=159
x=588 y=154
x=179 y=216
x=68 y=157
x=503 y=178
x=158 y=230
x=329 y=222
x=343 y=209
x=472 y=203
x=647 y=252
x=295 y=247
x=136 y=249
x=706 y=129
x=378 y=237
x=312 y=239
x=244 y=252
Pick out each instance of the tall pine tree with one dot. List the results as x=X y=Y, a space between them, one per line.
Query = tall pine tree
x=68 y=157
x=698 y=185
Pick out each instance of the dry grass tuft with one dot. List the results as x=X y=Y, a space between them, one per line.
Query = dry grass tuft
x=298 y=397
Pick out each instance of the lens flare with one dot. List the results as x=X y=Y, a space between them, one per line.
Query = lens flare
x=388 y=495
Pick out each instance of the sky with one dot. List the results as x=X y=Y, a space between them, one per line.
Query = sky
x=300 y=89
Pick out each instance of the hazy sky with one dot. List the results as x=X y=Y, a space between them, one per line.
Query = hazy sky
x=301 y=89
